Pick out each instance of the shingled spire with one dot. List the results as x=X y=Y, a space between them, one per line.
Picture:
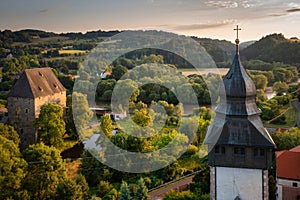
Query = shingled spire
x=240 y=148
x=237 y=123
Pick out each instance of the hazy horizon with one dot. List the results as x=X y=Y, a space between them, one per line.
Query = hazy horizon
x=214 y=19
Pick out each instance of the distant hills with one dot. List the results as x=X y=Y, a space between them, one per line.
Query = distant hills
x=274 y=48
x=271 y=48
x=27 y=35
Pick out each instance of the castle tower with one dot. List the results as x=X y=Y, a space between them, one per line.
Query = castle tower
x=34 y=88
x=240 y=148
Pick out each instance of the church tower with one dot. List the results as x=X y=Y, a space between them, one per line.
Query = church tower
x=240 y=148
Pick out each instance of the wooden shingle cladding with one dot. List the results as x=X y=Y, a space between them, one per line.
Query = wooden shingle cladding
x=237 y=126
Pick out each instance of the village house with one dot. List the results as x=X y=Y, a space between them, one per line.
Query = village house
x=288 y=174
x=34 y=88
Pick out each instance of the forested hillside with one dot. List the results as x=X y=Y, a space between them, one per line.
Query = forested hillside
x=274 y=48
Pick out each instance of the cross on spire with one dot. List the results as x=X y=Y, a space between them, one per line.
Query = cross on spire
x=237 y=29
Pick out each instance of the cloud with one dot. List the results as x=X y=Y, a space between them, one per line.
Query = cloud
x=50 y=10
x=293 y=10
x=44 y=10
x=222 y=4
x=277 y=14
x=232 y=4
x=189 y=27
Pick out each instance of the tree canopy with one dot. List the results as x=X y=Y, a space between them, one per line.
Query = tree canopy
x=45 y=171
x=9 y=132
x=12 y=170
x=50 y=125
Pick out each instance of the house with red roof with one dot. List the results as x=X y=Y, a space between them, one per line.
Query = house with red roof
x=288 y=174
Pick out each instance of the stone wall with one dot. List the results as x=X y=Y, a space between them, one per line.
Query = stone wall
x=59 y=98
x=23 y=111
x=212 y=183
x=21 y=114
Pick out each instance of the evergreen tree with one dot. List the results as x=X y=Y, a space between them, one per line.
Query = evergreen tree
x=124 y=192
x=141 y=192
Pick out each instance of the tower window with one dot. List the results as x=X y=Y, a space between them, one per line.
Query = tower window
x=259 y=152
x=26 y=110
x=236 y=150
x=242 y=151
x=239 y=151
x=219 y=149
x=255 y=152
x=223 y=150
x=262 y=152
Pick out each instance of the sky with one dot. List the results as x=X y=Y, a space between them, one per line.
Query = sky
x=201 y=18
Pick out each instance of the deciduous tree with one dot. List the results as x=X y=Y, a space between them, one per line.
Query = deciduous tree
x=45 y=171
x=9 y=132
x=81 y=111
x=106 y=125
x=50 y=125
x=12 y=170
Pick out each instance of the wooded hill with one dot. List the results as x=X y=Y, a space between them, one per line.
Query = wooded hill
x=274 y=48
x=270 y=49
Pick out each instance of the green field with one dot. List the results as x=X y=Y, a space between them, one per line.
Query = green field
x=71 y=51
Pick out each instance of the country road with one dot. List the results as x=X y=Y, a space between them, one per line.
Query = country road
x=177 y=185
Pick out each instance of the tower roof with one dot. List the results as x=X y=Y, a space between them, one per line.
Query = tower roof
x=237 y=121
x=238 y=91
x=35 y=83
x=237 y=83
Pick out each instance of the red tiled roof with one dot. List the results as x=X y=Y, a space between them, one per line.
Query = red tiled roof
x=288 y=164
x=278 y=153
x=296 y=149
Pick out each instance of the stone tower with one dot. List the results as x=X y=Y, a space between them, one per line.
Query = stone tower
x=240 y=148
x=34 y=88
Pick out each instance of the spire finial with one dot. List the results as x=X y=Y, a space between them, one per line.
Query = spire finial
x=237 y=29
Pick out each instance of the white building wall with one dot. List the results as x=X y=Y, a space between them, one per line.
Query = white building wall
x=287 y=183
x=244 y=183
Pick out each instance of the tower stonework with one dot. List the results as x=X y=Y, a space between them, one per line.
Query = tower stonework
x=240 y=148
x=34 y=88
